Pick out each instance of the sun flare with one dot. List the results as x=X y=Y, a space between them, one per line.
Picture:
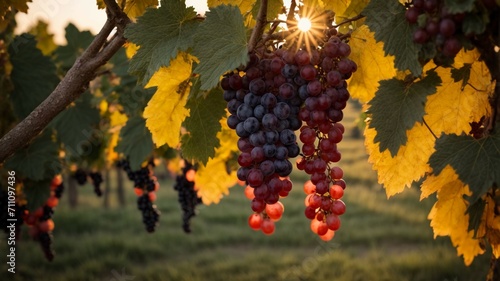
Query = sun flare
x=304 y=24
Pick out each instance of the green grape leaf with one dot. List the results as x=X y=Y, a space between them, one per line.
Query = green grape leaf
x=461 y=74
x=77 y=43
x=33 y=75
x=475 y=161
x=75 y=126
x=134 y=99
x=221 y=44
x=36 y=192
x=474 y=24
x=274 y=8
x=38 y=161
x=203 y=124
x=397 y=107
x=459 y=6
x=386 y=18
x=135 y=142
x=161 y=33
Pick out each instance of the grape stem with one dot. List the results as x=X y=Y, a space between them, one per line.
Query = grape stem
x=355 y=18
x=429 y=128
x=72 y=85
x=258 y=30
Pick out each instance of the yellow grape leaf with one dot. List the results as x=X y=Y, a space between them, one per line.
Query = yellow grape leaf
x=451 y=109
x=490 y=226
x=434 y=183
x=373 y=64
x=131 y=49
x=448 y=218
x=110 y=154
x=166 y=110
x=117 y=119
x=245 y=6
x=100 y=4
x=338 y=6
x=135 y=8
x=212 y=180
x=409 y=165
x=45 y=40
x=103 y=105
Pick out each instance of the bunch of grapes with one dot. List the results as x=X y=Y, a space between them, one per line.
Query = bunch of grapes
x=188 y=198
x=40 y=221
x=437 y=26
x=145 y=187
x=81 y=176
x=279 y=92
x=96 y=178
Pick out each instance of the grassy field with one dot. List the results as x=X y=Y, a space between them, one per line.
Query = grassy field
x=379 y=239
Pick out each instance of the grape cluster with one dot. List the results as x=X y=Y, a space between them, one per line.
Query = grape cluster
x=145 y=187
x=188 y=198
x=81 y=176
x=438 y=27
x=96 y=178
x=276 y=95
x=40 y=221
x=264 y=106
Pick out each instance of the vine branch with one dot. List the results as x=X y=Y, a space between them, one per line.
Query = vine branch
x=72 y=85
x=355 y=18
x=259 y=26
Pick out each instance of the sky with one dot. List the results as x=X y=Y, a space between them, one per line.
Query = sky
x=83 y=13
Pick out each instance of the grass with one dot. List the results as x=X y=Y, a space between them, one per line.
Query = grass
x=379 y=239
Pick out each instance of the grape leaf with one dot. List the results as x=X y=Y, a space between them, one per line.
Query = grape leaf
x=203 y=124
x=475 y=161
x=474 y=24
x=221 y=44
x=274 y=8
x=36 y=192
x=167 y=110
x=75 y=126
x=339 y=6
x=160 y=33
x=33 y=75
x=452 y=108
x=354 y=8
x=387 y=19
x=434 y=183
x=77 y=43
x=135 y=8
x=365 y=51
x=212 y=180
x=448 y=218
x=408 y=165
x=39 y=160
x=460 y=6
x=397 y=106
x=135 y=142
x=461 y=74
x=45 y=40
x=245 y=6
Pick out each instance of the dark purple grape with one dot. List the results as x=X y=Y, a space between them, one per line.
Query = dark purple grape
x=447 y=27
x=412 y=14
x=420 y=36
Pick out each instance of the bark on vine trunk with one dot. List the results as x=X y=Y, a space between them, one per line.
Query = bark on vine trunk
x=72 y=85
